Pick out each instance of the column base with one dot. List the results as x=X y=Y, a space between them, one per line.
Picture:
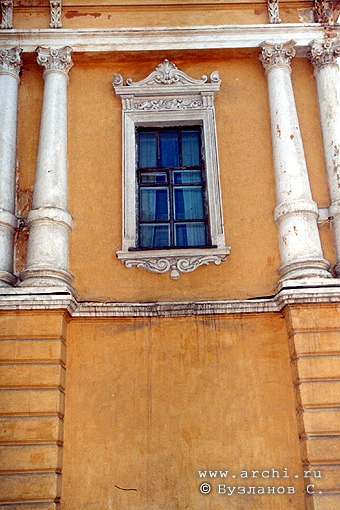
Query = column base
x=7 y=279
x=309 y=268
x=38 y=277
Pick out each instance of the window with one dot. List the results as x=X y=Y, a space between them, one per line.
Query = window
x=172 y=214
x=172 y=210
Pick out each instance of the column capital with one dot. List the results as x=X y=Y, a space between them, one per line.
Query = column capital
x=10 y=61
x=277 y=54
x=323 y=52
x=52 y=59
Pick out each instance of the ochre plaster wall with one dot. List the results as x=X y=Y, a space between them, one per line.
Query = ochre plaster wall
x=151 y=401
x=247 y=185
x=247 y=175
x=138 y=13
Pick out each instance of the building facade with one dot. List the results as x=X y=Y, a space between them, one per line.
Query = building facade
x=169 y=255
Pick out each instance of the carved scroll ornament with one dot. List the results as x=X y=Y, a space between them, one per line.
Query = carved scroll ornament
x=324 y=52
x=55 y=59
x=326 y=11
x=273 y=11
x=167 y=73
x=6 y=14
x=277 y=54
x=175 y=264
x=10 y=61
x=55 y=8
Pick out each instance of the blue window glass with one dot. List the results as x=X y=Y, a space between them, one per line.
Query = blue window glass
x=191 y=147
x=147 y=149
x=188 y=203
x=187 y=177
x=169 y=149
x=154 y=204
x=153 y=177
x=154 y=236
x=171 y=188
x=190 y=234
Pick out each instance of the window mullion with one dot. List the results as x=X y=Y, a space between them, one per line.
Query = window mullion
x=172 y=210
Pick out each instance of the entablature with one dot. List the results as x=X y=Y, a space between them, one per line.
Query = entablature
x=178 y=38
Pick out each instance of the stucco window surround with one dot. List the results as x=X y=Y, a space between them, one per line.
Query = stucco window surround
x=169 y=97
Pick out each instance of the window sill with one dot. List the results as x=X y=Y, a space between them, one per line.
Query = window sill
x=176 y=261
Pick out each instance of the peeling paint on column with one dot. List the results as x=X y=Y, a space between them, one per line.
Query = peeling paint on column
x=323 y=55
x=301 y=254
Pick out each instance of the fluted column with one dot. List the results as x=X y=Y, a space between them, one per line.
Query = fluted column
x=296 y=213
x=10 y=63
x=323 y=55
x=49 y=221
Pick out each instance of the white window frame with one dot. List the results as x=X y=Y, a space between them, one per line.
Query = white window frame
x=169 y=97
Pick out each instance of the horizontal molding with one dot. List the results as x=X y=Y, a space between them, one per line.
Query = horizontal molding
x=23 y=472
x=324 y=463
x=33 y=387
x=30 y=389
x=33 y=338
x=327 y=492
x=311 y=291
x=30 y=362
x=134 y=39
x=321 y=436
x=321 y=380
x=319 y=408
x=33 y=414
x=312 y=330
x=37 y=298
x=36 y=442
x=315 y=354
x=41 y=503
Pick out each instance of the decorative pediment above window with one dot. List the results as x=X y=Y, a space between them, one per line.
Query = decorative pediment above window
x=172 y=212
x=167 y=80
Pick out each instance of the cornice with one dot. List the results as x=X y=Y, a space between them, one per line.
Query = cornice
x=165 y=38
x=36 y=298
x=94 y=4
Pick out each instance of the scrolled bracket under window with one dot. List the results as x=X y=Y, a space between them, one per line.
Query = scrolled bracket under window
x=168 y=99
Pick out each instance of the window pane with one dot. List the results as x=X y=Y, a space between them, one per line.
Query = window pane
x=188 y=203
x=190 y=234
x=187 y=177
x=147 y=153
x=169 y=148
x=191 y=145
x=151 y=236
x=153 y=178
x=153 y=204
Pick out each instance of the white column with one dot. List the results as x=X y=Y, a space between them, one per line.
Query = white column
x=49 y=221
x=296 y=213
x=324 y=55
x=10 y=63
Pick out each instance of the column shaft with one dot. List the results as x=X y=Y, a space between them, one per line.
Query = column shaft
x=296 y=213
x=50 y=188
x=10 y=63
x=49 y=221
x=323 y=55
